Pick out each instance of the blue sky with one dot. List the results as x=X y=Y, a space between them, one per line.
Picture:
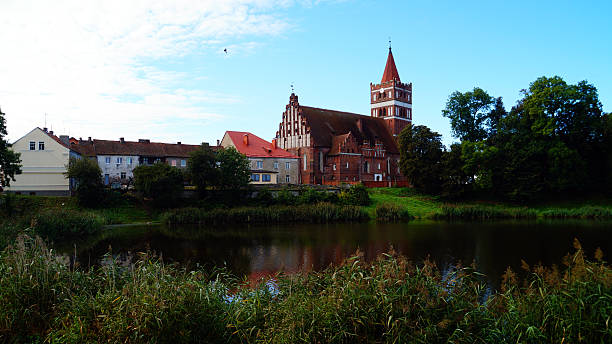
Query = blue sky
x=157 y=69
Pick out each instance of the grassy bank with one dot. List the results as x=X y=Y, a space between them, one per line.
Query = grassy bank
x=310 y=213
x=429 y=207
x=388 y=300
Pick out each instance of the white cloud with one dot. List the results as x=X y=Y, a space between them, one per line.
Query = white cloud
x=83 y=62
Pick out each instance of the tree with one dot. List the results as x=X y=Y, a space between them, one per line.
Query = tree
x=455 y=181
x=160 y=182
x=87 y=176
x=10 y=164
x=496 y=117
x=233 y=168
x=202 y=168
x=420 y=157
x=469 y=113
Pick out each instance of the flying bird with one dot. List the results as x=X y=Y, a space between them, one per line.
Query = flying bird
x=225 y=51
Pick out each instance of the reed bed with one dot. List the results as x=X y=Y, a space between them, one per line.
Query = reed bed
x=585 y=212
x=55 y=223
x=482 y=212
x=388 y=300
x=388 y=212
x=314 y=213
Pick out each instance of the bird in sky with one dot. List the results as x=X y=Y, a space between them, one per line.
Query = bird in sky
x=225 y=51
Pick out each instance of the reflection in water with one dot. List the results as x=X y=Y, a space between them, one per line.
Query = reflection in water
x=263 y=251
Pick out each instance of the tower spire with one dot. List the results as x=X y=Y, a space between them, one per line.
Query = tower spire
x=390 y=69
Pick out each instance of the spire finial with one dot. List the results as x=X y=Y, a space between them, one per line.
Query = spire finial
x=292 y=90
x=389 y=43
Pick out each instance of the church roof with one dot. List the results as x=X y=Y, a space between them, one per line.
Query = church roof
x=326 y=124
x=390 y=69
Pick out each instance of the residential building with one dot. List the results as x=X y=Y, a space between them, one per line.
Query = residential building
x=117 y=159
x=44 y=158
x=269 y=163
x=340 y=147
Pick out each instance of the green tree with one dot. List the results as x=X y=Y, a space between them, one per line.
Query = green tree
x=87 y=176
x=455 y=181
x=469 y=114
x=202 y=168
x=496 y=116
x=420 y=157
x=233 y=169
x=160 y=182
x=10 y=164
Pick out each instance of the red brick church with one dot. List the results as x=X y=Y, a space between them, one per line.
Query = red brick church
x=341 y=147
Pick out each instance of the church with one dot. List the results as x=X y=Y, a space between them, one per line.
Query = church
x=337 y=147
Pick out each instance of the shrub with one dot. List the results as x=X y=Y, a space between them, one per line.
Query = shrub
x=160 y=182
x=59 y=223
x=356 y=195
x=387 y=212
x=87 y=176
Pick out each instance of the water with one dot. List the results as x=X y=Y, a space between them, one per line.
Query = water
x=256 y=251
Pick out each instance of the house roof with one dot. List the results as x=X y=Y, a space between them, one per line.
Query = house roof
x=256 y=147
x=152 y=149
x=390 y=69
x=326 y=124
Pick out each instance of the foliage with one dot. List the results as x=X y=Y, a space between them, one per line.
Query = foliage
x=387 y=300
x=421 y=157
x=160 y=182
x=87 y=176
x=469 y=114
x=482 y=212
x=311 y=213
x=356 y=195
x=10 y=164
x=60 y=223
x=202 y=168
x=233 y=169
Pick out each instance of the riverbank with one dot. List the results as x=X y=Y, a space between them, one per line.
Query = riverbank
x=387 y=300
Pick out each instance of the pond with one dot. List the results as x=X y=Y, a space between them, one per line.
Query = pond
x=256 y=251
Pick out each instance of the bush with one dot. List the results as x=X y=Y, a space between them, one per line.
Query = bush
x=160 y=182
x=356 y=195
x=87 y=176
x=60 y=223
x=387 y=212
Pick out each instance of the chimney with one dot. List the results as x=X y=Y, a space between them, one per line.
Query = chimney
x=45 y=129
x=51 y=132
x=122 y=140
x=245 y=139
x=144 y=140
x=65 y=139
x=273 y=143
x=218 y=143
x=89 y=139
x=178 y=143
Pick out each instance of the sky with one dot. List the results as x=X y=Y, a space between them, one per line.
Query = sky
x=158 y=70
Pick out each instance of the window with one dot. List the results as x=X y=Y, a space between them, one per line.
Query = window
x=276 y=165
x=334 y=167
x=379 y=166
x=255 y=177
x=32 y=145
x=287 y=179
x=347 y=164
x=259 y=165
x=107 y=160
x=183 y=163
x=130 y=161
x=123 y=175
x=287 y=166
x=265 y=178
x=305 y=163
x=173 y=162
x=119 y=160
x=41 y=145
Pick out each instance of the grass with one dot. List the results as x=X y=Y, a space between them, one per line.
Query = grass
x=388 y=300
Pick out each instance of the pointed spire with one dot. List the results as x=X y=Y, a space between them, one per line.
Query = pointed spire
x=390 y=69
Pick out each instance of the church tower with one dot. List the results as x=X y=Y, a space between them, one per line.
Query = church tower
x=392 y=99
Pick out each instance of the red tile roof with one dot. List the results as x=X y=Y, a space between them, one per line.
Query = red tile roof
x=150 y=149
x=326 y=124
x=390 y=69
x=256 y=147
x=55 y=138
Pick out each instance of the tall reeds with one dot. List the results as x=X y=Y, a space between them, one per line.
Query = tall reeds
x=388 y=212
x=481 y=212
x=307 y=213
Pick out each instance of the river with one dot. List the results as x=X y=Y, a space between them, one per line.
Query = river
x=258 y=251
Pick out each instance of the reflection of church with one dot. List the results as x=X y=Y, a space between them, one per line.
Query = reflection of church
x=340 y=147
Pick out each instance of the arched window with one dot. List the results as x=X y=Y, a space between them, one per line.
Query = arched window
x=305 y=162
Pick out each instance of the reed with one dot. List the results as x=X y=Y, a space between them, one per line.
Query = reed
x=585 y=212
x=315 y=213
x=386 y=300
x=387 y=212
x=482 y=212
x=57 y=223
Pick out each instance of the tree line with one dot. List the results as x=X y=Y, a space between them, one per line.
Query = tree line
x=556 y=141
